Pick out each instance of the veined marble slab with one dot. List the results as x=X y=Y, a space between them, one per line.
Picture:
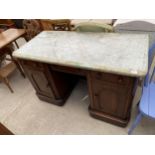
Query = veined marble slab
x=125 y=54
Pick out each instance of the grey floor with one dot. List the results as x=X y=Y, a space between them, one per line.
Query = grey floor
x=23 y=113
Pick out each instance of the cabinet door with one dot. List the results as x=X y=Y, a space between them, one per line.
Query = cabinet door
x=39 y=81
x=109 y=98
x=111 y=94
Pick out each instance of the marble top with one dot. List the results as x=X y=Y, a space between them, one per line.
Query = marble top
x=125 y=54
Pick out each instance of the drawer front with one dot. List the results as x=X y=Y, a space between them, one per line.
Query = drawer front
x=32 y=64
x=71 y=70
x=112 y=78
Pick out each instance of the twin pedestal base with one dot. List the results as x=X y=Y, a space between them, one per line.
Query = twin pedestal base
x=110 y=95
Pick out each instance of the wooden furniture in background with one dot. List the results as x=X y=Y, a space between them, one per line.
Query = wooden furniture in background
x=10 y=35
x=32 y=28
x=6 y=23
x=6 y=69
x=56 y=25
x=4 y=29
x=6 y=38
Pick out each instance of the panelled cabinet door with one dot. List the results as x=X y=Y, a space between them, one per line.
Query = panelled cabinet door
x=110 y=99
x=111 y=94
x=39 y=81
x=51 y=86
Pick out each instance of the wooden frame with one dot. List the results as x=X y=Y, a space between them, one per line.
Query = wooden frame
x=56 y=25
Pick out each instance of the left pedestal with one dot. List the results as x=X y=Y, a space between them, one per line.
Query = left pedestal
x=51 y=86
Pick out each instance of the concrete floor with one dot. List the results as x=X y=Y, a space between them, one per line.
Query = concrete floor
x=23 y=113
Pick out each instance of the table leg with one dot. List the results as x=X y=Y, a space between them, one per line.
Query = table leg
x=17 y=64
x=16 y=44
x=19 y=67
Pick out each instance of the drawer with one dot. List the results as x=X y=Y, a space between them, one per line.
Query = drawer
x=32 y=64
x=112 y=78
x=71 y=70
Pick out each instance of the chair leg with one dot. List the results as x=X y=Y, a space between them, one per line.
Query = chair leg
x=6 y=81
x=16 y=44
x=17 y=64
x=135 y=123
x=19 y=68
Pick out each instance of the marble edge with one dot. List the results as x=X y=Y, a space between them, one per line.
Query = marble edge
x=41 y=34
x=96 y=68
